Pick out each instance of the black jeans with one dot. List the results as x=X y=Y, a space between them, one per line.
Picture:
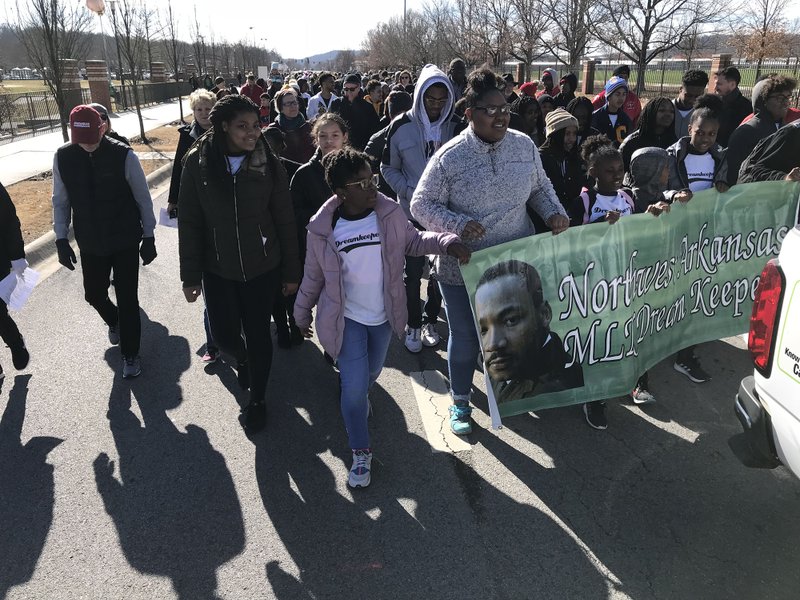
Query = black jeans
x=97 y=273
x=413 y=279
x=239 y=315
x=8 y=328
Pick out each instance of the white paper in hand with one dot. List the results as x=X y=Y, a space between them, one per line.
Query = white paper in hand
x=163 y=219
x=15 y=289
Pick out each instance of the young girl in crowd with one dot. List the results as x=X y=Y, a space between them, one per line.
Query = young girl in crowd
x=561 y=157
x=611 y=119
x=656 y=128
x=607 y=201
x=581 y=108
x=697 y=160
x=238 y=241
x=697 y=164
x=529 y=118
x=356 y=248
x=546 y=103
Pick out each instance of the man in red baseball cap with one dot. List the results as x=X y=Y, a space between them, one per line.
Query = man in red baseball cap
x=99 y=186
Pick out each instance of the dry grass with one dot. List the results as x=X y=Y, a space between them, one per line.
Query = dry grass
x=32 y=197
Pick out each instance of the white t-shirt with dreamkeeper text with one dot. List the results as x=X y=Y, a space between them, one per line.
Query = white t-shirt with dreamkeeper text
x=699 y=171
x=358 y=242
x=604 y=204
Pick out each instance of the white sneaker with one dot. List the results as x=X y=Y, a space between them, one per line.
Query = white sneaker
x=413 y=341
x=360 y=471
x=430 y=337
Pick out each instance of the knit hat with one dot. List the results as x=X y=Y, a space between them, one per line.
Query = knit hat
x=529 y=88
x=558 y=119
x=620 y=70
x=353 y=78
x=509 y=79
x=84 y=125
x=614 y=84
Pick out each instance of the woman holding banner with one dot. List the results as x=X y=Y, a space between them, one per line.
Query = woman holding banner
x=452 y=197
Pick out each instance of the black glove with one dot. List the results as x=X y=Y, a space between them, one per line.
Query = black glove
x=65 y=254
x=148 y=250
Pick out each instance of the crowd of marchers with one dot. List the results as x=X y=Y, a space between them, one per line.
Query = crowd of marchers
x=320 y=202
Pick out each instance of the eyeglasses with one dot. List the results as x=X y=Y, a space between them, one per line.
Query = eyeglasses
x=292 y=103
x=493 y=110
x=355 y=89
x=435 y=101
x=782 y=98
x=366 y=183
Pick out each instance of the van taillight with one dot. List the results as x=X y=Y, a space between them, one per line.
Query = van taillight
x=766 y=308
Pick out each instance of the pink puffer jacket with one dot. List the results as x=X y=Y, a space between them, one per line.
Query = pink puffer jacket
x=322 y=279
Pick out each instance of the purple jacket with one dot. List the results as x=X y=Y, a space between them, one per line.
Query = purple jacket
x=322 y=279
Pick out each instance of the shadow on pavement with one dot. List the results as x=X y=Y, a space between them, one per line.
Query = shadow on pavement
x=410 y=534
x=172 y=497
x=27 y=494
x=664 y=504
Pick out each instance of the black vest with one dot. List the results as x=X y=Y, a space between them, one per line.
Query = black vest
x=105 y=216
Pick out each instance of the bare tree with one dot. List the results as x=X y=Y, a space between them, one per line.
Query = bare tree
x=568 y=35
x=345 y=60
x=761 y=31
x=173 y=47
x=642 y=30
x=128 y=22
x=51 y=30
x=525 y=33
x=152 y=29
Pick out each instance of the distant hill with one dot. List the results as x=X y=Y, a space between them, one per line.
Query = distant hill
x=324 y=61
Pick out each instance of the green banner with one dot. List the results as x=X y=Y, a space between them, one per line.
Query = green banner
x=579 y=316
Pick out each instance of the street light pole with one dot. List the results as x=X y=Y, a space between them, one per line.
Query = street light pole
x=121 y=74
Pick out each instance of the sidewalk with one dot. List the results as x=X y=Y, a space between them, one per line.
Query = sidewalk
x=31 y=156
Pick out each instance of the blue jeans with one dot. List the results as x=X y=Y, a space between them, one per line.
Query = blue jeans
x=463 y=345
x=360 y=361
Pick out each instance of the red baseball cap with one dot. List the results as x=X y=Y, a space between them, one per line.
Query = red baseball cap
x=84 y=125
x=529 y=88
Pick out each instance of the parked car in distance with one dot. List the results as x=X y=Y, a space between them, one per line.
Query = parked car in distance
x=768 y=402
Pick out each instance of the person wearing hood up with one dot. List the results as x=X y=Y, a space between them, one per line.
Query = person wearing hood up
x=568 y=83
x=548 y=80
x=792 y=114
x=413 y=139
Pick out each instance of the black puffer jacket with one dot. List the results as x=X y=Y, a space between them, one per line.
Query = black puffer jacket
x=11 y=244
x=566 y=171
x=361 y=118
x=309 y=193
x=235 y=226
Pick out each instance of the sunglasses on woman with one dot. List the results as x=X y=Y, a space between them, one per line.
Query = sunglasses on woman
x=367 y=183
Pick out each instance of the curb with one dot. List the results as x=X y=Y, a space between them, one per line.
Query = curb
x=42 y=249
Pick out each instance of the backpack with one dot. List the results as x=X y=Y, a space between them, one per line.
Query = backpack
x=589 y=197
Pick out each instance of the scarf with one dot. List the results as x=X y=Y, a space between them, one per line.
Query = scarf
x=287 y=124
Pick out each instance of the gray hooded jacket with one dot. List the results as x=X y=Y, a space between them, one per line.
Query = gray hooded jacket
x=409 y=145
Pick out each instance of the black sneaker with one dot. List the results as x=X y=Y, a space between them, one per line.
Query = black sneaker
x=595 y=413
x=253 y=417
x=243 y=375
x=113 y=335
x=690 y=367
x=20 y=355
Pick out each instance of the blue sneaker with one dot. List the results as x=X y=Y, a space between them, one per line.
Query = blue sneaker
x=460 y=423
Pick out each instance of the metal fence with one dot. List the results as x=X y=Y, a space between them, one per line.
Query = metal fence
x=28 y=114
x=149 y=93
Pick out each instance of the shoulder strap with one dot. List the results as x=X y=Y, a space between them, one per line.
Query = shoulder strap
x=589 y=198
x=626 y=195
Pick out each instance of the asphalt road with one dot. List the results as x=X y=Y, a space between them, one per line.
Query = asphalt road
x=149 y=489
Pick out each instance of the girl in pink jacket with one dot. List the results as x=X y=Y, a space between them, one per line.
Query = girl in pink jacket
x=356 y=248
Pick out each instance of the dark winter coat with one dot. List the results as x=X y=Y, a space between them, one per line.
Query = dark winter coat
x=774 y=156
x=11 y=245
x=235 y=226
x=360 y=117
x=735 y=108
x=678 y=178
x=744 y=139
x=566 y=171
x=187 y=134
x=309 y=192
x=616 y=133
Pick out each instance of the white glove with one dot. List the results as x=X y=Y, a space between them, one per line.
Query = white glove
x=19 y=266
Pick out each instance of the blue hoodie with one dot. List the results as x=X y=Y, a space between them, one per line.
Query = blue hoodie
x=411 y=141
